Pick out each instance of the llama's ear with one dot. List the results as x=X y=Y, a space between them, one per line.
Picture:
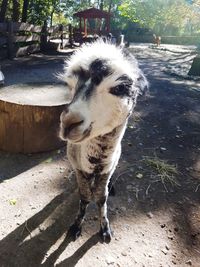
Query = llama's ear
x=142 y=84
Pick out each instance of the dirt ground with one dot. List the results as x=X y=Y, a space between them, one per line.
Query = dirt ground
x=155 y=215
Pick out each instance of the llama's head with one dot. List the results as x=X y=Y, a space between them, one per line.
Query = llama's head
x=104 y=84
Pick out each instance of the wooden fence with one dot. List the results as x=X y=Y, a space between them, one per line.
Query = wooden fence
x=177 y=40
x=19 y=39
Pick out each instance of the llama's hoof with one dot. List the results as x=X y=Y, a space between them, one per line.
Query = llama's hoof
x=105 y=234
x=75 y=231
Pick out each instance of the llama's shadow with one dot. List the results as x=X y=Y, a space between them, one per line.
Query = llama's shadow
x=20 y=248
x=12 y=165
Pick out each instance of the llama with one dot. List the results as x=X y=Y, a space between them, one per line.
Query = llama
x=104 y=82
x=157 y=40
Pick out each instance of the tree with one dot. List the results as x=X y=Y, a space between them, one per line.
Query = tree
x=16 y=10
x=164 y=17
x=3 y=9
x=25 y=10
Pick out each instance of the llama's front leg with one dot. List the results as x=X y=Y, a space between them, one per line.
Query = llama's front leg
x=105 y=230
x=76 y=227
x=100 y=192
x=85 y=197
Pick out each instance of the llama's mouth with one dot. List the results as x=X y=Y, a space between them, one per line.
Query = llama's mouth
x=84 y=135
x=71 y=129
x=73 y=134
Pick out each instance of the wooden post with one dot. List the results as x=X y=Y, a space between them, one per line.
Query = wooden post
x=70 y=36
x=195 y=68
x=85 y=30
x=80 y=26
x=10 y=40
x=108 y=24
x=43 y=38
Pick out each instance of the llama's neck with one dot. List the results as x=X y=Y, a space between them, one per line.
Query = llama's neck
x=103 y=151
x=113 y=138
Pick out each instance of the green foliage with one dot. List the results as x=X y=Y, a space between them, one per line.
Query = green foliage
x=164 y=17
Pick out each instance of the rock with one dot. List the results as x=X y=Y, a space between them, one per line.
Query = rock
x=167 y=247
x=150 y=215
x=164 y=251
x=189 y=262
x=110 y=260
x=124 y=254
x=163 y=149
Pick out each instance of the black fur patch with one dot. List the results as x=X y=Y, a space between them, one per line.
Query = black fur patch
x=89 y=90
x=82 y=74
x=98 y=70
x=94 y=160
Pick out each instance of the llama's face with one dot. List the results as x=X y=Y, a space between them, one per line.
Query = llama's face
x=103 y=95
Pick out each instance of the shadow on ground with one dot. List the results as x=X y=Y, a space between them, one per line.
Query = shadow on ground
x=12 y=165
x=166 y=126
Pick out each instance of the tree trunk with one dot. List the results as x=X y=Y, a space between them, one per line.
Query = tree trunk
x=29 y=119
x=195 y=68
x=16 y=10
x=3 y=9
x=25 y=10
x=110 y=6
x=51 y=17
x=101 y=5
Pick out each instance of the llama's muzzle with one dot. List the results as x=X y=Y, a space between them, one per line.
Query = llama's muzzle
x=72 y=127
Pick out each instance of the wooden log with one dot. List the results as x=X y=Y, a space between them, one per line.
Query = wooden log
x=21 y=26
x=26 y=50
x=29 y=117
x=10 y=40
x=30 y=38
x=195 y=68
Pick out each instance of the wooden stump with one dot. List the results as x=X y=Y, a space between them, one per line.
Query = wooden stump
x=195 y=68
x=29 y=117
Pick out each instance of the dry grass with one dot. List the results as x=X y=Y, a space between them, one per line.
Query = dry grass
x=167 y=173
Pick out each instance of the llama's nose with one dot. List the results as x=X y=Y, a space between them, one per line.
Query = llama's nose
x=70 y=122
x=71 y=127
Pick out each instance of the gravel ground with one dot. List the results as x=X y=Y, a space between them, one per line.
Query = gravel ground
x=155 y=214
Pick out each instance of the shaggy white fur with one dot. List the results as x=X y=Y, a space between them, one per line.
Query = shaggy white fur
x=104 y=83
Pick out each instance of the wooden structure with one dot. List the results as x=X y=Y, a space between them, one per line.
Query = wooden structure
x=195 y=68
x=93 y=13
x=19 y=39
x=30 y=116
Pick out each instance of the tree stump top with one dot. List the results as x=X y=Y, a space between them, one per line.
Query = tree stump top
x=30 y=117
x=39 y=94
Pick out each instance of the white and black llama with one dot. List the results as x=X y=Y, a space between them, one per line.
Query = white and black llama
x=104 y=82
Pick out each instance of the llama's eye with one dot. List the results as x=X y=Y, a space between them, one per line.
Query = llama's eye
x=120 y=90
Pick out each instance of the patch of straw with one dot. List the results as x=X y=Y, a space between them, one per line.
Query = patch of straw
x=164 y=171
